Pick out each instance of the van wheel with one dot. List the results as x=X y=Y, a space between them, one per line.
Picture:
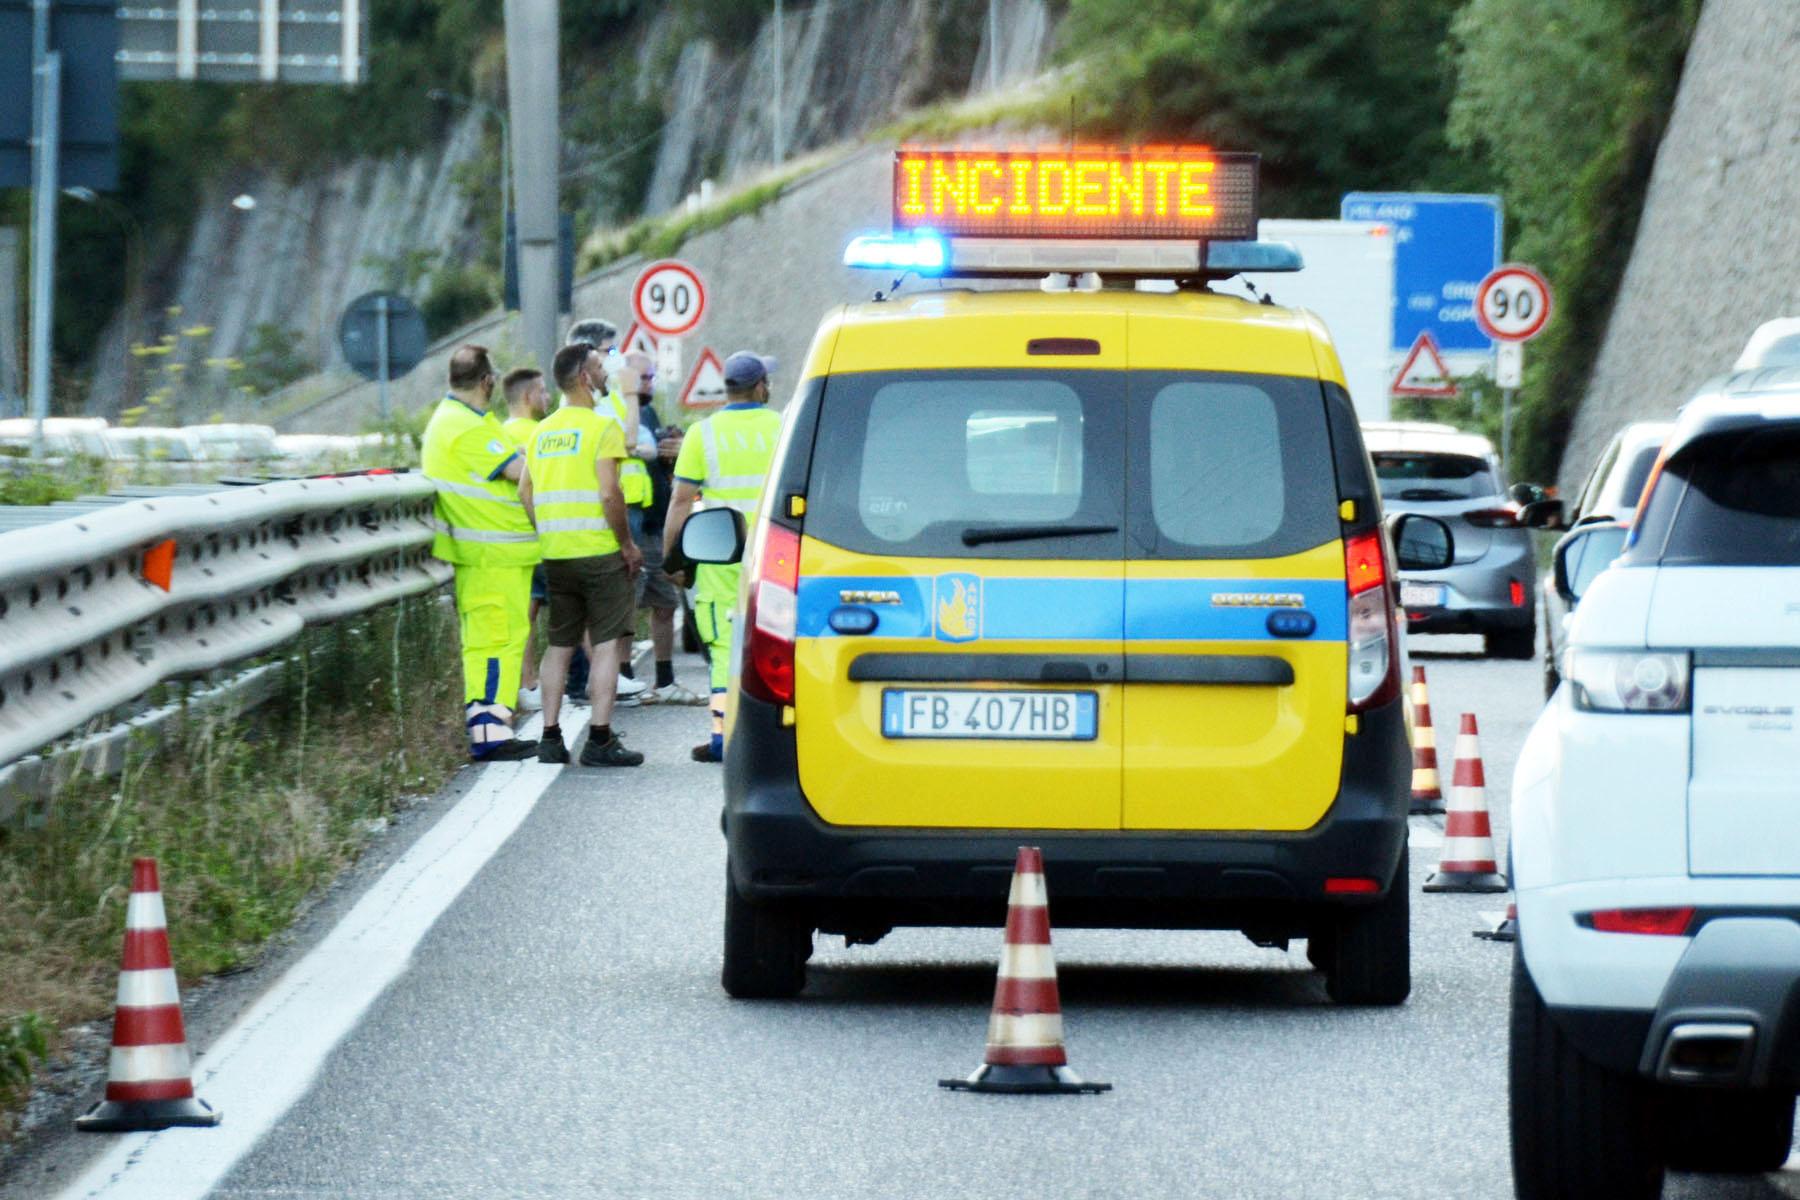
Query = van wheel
x=1741 y=1131
x=1368 y=957
x=1578 y=1130
x=1512 y=643
x=766 y=949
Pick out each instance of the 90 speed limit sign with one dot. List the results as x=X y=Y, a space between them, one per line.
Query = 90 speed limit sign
x=668 y=298
x=1513 y=304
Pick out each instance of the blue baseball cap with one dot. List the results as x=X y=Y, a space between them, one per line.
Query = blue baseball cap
x=745 y=369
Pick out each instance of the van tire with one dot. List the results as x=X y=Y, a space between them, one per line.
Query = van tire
x=1518 y=644
x=1736 y=1131
x=766 y=949
x=1578 y=1129
x=1368 y=955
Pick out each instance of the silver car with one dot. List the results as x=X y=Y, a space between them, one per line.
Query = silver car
x=1439 y=471
x=1610 y=495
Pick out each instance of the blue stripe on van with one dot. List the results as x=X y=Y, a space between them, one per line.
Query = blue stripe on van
x=1015 y=609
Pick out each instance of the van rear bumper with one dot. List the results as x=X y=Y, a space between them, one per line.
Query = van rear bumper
x=853 y=879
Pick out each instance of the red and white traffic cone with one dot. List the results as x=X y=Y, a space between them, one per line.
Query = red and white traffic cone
x=1427 y=796
x=150 y=1084
x=1025 y=1034
x=1466 y=863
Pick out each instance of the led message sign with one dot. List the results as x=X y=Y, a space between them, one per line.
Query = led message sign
x=1196 y=194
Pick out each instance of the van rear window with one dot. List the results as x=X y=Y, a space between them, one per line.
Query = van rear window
x=1072 y=464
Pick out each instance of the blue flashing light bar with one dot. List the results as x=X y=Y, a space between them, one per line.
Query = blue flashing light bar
x=919 y=250
x=1232 y=257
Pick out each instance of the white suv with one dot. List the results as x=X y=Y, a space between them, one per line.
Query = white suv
x=1656 y=829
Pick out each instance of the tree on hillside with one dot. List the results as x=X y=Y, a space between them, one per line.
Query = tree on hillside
x=1334 y=94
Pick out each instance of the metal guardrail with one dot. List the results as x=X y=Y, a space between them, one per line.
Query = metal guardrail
x=82 y=632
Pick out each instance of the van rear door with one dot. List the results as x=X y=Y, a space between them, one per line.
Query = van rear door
x=1235 y=602
x=961 y=600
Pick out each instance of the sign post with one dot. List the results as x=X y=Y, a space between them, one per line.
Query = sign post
x=1512 y=305
x=46 y=77
x=383 y=337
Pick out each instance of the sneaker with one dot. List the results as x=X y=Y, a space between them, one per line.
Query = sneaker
x=704 y=753
x=673 y=694
x=630 y=692
x=613 y=754
x=511 y=750
x=552 y=750
x=531 y=699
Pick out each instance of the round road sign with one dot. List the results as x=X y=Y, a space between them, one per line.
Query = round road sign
x=1513 y=304
x=362 y=337
x=668 y=298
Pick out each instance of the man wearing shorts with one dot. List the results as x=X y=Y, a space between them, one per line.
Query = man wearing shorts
x=589 y=556
x=656 y=591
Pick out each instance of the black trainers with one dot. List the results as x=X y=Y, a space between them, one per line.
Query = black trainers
x=552 y=750
x=511 y=750
x=704 y=752
x=613 y=754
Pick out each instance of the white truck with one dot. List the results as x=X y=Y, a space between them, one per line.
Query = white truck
x=1349 y=282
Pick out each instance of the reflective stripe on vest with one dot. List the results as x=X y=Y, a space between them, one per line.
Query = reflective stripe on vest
x=565 y=486
x=739 y=447
x=490 y=536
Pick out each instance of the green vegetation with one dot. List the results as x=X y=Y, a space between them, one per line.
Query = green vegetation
x=662 y=238
x=246 y=817
x=23 y=482
x=1558 y=105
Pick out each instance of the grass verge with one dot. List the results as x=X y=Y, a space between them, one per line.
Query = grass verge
x=246 y=818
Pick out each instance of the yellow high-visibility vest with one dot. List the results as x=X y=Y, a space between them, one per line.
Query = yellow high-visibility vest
x=565 y=486
x=634 y=475
x=729 y=455
x=479 y=520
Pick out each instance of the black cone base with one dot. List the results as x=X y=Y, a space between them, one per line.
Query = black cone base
x=1024 y=1081
x=1505 y=931
x=1465 y=881
x=1427 y=808
x=137 y=1116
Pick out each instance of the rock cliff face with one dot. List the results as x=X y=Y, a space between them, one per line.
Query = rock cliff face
x=307 y=249
x=1718 y=248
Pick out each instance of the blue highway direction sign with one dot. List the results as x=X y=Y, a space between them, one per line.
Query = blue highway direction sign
x=1444 y=246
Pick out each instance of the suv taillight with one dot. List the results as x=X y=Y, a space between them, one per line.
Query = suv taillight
x=1374 y=640
x=771 y=602
x=1504 y=517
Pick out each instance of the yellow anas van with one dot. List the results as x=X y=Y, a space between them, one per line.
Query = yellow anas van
x=1080 y=565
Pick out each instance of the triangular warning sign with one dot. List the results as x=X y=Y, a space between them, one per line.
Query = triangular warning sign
x=705 y=388
x=639 y=340
x=1424 y=373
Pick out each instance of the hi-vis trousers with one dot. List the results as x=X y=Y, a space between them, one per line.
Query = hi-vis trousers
x=493 y=606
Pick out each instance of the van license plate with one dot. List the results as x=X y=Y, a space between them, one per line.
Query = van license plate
x=1044 y=716
x=1421 y=595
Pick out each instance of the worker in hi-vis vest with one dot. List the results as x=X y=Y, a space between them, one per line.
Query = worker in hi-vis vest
x=724 y=460
x=589 y=557
x=484 y=529
x=527 y=403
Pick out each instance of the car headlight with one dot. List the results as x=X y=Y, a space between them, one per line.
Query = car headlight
x=1629 y=681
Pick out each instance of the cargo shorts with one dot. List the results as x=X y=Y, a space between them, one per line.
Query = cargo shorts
x=590 y=595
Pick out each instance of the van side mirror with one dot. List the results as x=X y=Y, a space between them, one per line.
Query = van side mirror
x=713 y=535
x=1543 y=514
x=1583 y=553
x=1421 y=543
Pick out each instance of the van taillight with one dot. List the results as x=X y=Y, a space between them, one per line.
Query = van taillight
x=771 y=603
x=1374 y=640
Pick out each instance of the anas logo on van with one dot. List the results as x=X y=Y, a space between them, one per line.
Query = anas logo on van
x=958 y=608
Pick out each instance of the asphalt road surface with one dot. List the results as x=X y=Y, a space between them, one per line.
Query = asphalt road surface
x=559 y=1030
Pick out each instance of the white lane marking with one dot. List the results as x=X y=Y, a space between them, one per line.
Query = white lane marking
x=1423 y=836
x=268 y=1059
